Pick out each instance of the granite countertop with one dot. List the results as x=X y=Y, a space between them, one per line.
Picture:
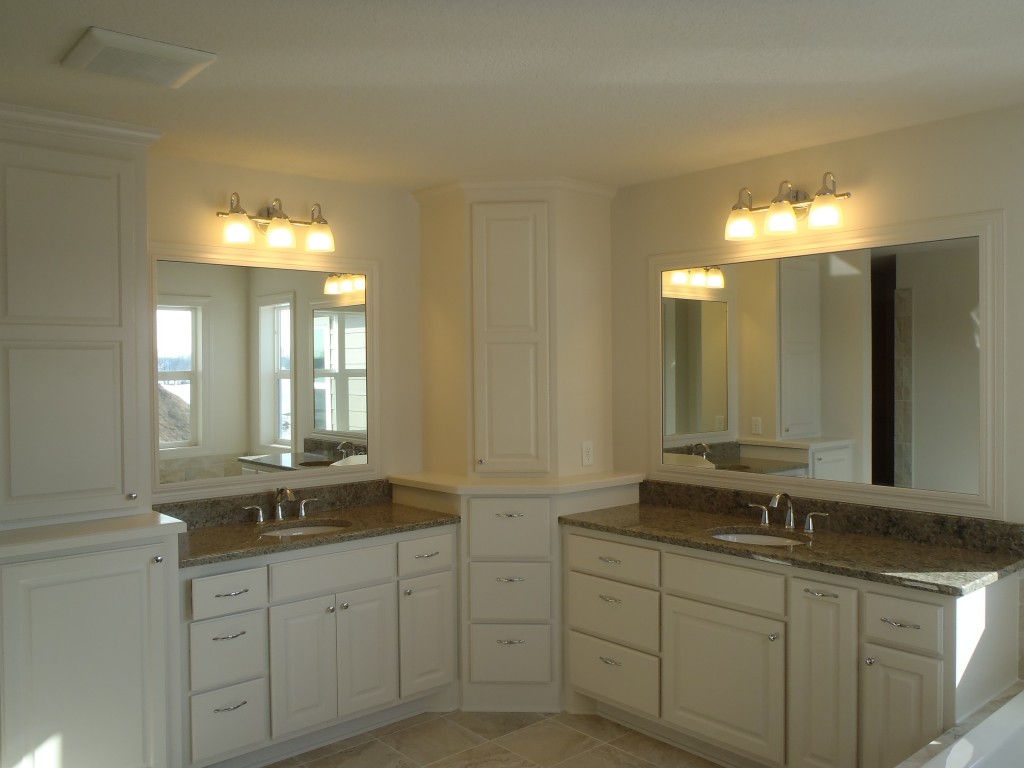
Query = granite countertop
x=760 y=466
x=943 y=569
x=214 y=544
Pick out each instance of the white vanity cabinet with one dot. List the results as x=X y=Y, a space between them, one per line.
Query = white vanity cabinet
x=74 y=331
x=86 y=644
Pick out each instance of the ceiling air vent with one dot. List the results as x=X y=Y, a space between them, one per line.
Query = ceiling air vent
x=114 y=53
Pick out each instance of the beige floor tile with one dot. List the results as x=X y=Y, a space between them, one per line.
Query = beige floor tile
x=288 y=762
x=594 y=726
x=335 y=747
x=547 y=743
x=372 y=754
x=605 y=756
x=653 y=751
x=493 y=725
x=431 y=741
x=488 y=755
x=425 y=717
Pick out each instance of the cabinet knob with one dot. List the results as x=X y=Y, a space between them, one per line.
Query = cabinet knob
x=330 y=609
x=870 y=661
x=344 y=606
x=481 y=461
x=408 y=592
x=132 y=496
x=773 y=636
x=158 y=559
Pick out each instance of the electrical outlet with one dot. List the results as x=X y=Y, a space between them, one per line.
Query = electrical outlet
x=755 y=425
x=588 y=453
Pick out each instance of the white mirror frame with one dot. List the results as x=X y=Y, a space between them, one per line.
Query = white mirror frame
x=238 y=257
x=987 y=226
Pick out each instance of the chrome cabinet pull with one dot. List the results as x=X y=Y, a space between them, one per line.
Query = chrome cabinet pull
x=232 y=594
x=509 y=514
x=610 y=662
x=892 y=623
x=821 y=594
x=229 y=637
x=344 y=606
x=609 y=560
x=330 y=609
x=773 y=636
x=869 y=661
x=510 y=642
x=509 y=579
x=408 y=592
x=423 y=557
x=610 y=599
x=158 y=559
x=231 y=709
x=132 y=496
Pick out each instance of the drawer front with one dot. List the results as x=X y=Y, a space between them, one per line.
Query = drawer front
x=229 y=719
x=228 y=649
x=324 y=574
x=229 y=593
x=617 y=561
x=431 y=553
x=510 y=653
x=509 y=591
x=721 y=583
x=617 y=611
x=614 y=672
x=907 y=623
x=509 y=527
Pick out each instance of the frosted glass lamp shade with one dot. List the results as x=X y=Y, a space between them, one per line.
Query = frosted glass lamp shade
x=825 y=213
x=740 y=225
x=780 y=219
x=238 y=229
x=319 y=238
x=280 y=233
x=715 y=278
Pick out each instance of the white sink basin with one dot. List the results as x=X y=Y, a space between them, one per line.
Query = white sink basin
x=762 y=539
x=304 y=530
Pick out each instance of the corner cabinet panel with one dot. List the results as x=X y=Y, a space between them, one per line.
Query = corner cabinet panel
x=511 y=337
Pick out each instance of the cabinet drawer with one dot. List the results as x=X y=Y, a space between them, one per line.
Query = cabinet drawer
x=229 y=593
x=617 y=611
x=509 y=528
x=510 y=653
x=614 y=672
x=617 y=561
x=509 y=591
x=906 y=623
x=229 y=719
x=721 y=583
x=332 y=573
x=431 y=553
x=227 y=649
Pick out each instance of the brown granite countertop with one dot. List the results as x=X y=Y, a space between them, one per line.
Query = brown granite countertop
x=219 y=543
x=946 y=570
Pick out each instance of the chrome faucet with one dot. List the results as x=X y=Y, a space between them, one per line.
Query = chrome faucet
x=774 y=503
x=302 y=506
x=283 y=495
x=700 y=449
x=809 y=523
x=347 y=448
x=764 y=512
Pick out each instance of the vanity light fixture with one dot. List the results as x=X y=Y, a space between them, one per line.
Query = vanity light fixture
x=240 y=227
x=786 y=208
x=337 y=284
x=700 y=277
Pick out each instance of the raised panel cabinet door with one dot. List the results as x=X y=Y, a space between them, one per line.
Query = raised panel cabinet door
x=84 y=660
x=799 y=348
x=822 y=675
x=723 y=676
x=303 y=664
x=426 y=616
x=511 y=337
x=832 y=463
x=900 y=705
x=367 y=648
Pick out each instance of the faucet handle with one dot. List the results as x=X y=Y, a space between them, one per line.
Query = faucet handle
x=259 y=512
x=809 y=523
x=302 y=506
x=764 y=512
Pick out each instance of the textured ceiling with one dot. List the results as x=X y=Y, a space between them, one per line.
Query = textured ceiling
x=418 y=92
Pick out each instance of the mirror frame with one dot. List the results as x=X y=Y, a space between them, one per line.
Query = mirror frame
x=988 y=227
x=303 y=478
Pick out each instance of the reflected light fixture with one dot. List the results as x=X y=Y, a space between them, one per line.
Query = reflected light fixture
x=679 y=277
x=338 y=284
x=787 y=207
x=240 y=227
x=715 y=278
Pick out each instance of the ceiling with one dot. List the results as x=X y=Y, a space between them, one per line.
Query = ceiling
x=414 y=93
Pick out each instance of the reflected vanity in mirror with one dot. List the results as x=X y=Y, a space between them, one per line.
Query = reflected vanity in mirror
x=870 y=366
x=259 y=370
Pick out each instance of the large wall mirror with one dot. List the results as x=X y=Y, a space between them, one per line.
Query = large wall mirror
x=866 y=373
x=264 y=375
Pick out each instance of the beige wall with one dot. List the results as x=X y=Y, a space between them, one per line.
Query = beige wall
x=958 y=166
x=369 y=223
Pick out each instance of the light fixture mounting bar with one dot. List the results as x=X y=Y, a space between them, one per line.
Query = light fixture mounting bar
x=804 y=201
x=266 y=220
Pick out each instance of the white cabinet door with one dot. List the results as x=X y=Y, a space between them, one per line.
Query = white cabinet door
x=822 y=675
x=426 y=632
x=303 y=664
x=84 y=660
x=799 y=348
x=723 y=676
x=510 y=337
x=367 y=648
x=901 y=704
x=833 y=463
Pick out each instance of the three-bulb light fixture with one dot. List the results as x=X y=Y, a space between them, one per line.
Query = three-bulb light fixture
x=240 y=228
x=340 y=284
x=823 y=212
x=700 y=277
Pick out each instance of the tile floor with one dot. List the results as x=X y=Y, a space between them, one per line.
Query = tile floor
x=499 y=740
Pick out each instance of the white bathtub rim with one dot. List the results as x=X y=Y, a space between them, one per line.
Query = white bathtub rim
x=986 y=738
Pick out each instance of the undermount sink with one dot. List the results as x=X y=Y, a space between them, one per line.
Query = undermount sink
x=760 y=539
x=316 y=463
x=307 y=530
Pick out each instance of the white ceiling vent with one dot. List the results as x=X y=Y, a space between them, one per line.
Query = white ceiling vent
x=114 y=53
